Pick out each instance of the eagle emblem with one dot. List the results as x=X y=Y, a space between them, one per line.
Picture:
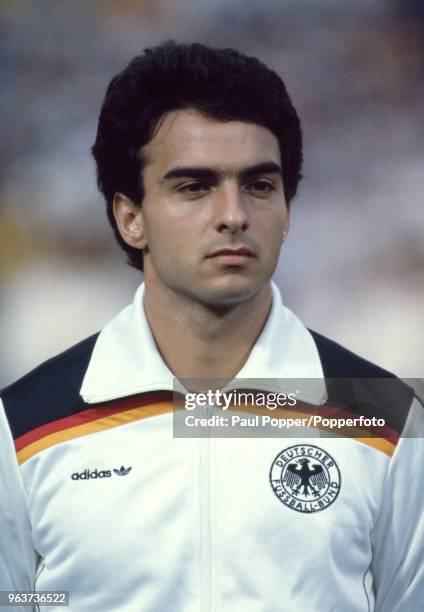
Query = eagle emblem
x=301 y=478
x=305 y=478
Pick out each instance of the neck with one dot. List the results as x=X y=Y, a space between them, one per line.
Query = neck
x=203 y=342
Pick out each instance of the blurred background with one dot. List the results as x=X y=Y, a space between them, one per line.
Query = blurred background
x=353 y=265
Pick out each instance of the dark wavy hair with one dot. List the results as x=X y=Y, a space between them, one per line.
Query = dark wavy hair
x=220 y=83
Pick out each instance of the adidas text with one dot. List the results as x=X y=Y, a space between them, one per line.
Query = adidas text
x=86 y=474
x=90 y=474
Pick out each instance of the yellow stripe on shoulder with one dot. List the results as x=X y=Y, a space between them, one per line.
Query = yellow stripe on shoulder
x=102 y=424
x=381 y=444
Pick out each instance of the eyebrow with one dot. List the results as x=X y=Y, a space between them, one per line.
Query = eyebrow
x=203 y=172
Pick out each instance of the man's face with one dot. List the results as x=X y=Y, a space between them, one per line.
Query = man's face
x=214 y=213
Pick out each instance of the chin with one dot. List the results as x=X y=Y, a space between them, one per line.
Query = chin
x=230 y=292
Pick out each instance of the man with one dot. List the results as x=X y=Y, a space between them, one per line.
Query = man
x=198 y=155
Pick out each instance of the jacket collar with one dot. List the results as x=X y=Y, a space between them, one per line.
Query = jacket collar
x=125 y=360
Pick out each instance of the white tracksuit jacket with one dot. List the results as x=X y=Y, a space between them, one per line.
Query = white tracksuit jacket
x=98 y=498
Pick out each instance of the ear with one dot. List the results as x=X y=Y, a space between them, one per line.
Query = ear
x=129 y=219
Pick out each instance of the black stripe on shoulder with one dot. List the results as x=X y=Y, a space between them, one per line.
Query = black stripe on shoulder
x=49 y=392
x=339 y=362
x=361 y=386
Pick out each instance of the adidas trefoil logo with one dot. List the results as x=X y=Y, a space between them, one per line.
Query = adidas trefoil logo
x=122 y=471
x=94 y=474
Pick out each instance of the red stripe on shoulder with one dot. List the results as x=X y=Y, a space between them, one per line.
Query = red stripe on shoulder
x=92 y=414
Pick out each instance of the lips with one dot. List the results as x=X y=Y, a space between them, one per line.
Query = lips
x=241 y=252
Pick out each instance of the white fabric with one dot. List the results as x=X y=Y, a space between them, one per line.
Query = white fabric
x=125 y=359
x=195 y=525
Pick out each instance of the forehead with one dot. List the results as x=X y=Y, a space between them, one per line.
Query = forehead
x=186 y=137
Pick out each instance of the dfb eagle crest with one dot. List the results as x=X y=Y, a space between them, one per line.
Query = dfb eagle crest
x=312 y=480
x=305 y=478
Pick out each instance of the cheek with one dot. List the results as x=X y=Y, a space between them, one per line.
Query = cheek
x=170 y=240
x=274 y=228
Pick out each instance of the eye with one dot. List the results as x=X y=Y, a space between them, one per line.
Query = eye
x=261 y=186
x=193 y=188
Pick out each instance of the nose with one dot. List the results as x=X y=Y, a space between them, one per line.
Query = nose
x=230 y=209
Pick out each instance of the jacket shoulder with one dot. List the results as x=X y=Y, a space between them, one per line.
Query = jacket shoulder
x=338 y=362
x=362 y=387
x=50 y=391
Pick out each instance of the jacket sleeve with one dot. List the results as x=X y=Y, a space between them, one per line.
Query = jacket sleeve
x=398 y=534
x=17 y=555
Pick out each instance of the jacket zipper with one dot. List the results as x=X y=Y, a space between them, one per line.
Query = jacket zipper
x=205 y=521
